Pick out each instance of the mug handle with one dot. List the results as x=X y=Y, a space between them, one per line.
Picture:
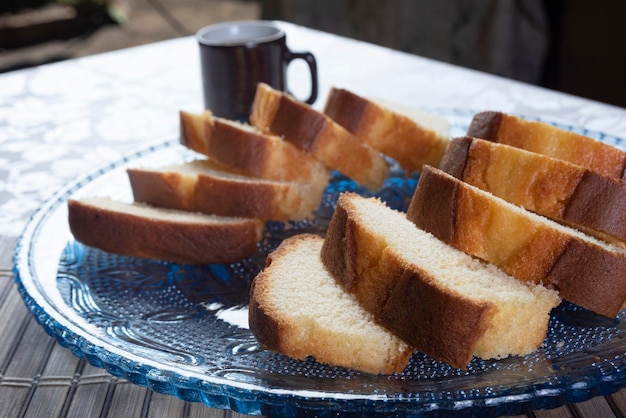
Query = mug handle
x=310 y=60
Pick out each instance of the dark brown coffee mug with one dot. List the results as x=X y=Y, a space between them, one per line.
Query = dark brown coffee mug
x=236 y=56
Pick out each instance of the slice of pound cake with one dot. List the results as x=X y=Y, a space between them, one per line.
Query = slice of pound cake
x=438 y=299
x=298 y=309
x=409 y=136
x=543 y=138
x=298 y=123
x=247 y=150
x=585 y=270
x=139 y=230
x=203 y=186
x=551 y=187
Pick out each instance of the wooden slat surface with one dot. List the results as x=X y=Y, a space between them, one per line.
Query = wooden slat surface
x=39 y=377
x=618 y=403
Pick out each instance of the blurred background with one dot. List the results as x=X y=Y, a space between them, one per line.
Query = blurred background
x=575 y=46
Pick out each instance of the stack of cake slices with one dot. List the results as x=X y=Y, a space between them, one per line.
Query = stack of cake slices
x=517 y=216
x=213 y=208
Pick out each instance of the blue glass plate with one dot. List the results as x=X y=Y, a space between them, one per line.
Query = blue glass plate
x=183 y=330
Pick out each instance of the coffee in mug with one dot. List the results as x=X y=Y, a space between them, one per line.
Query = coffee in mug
x=236 y=56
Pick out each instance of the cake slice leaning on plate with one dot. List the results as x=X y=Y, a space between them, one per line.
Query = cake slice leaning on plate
x=409 y=136
x=543 y=138
x=585 y=270
x=203 y=186
x=438 y=299
x=317 y=134
x=557 y=189
x=249 y=151
x=299 y=310
x=143 y=231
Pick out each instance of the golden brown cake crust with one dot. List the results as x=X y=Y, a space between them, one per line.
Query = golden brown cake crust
x=550 y=187
x=248 y=152
x=296 y=122
x=438 y=216
x=186 y=243
x=220 y=193
x=337 y=252
x=233 y=147
x=299 y=337
x=386 y=130
x=193 y=131
x=404 y=299
x=485 y=125
x=346 y=108
x=317 y=134
x=546 y=139
x=456 y=157
x=434 y=320
x=267 y=329
x=529 y=248
x=161 y=189
x=235 y=198
x=599 y=204
x=604 y=291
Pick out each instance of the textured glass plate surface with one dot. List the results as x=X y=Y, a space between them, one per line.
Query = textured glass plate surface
x=183 y=330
